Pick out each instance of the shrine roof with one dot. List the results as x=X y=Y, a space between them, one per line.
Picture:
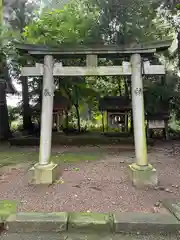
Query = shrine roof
x=60 y=103
x=114 y=103
x=65 y=51
x=158 y=115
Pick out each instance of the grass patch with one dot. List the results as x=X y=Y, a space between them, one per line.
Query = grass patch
x=13 y=158
x=75 y=157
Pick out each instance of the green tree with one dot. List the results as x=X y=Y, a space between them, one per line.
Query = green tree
x=74 y=24
x=10 y=22
x=21 y=13
x=126 y=21
x=4 y=125
x=100 y=21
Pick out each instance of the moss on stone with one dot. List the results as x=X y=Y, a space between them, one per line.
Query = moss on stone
x=37 y=222
x=145 y=177
x=90 y=221
x=7 y=207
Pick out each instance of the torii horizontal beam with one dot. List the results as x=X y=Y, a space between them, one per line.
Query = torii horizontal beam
x=69 y=51
x=124 y=70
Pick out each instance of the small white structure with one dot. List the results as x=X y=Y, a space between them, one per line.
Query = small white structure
x=158 y=121
x=156 y=124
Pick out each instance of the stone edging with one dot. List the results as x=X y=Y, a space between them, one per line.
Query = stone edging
x=91 y=222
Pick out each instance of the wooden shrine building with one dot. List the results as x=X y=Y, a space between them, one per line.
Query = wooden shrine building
x=116 y=111
x=61 y=104
x=158 y=120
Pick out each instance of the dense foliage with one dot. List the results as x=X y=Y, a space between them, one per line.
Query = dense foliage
x=95 y=22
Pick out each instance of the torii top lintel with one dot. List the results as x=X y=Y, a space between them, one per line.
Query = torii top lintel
x=63 y=51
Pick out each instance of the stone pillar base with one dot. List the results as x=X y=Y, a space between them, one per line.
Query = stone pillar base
x=143 y=176
x=46 y=174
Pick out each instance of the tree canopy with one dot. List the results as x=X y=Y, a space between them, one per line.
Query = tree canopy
x=74 y=24
x=95 y=22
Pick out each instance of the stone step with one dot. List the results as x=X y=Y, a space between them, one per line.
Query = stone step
x=36 y=222
x=145 y=223
x=141 y=223
x=76 y=236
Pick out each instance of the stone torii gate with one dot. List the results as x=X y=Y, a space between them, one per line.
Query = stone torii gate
x=141 y=172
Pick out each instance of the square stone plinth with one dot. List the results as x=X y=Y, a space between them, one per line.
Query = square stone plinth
x=143 y=177
x=37 y=222
x=43 y=174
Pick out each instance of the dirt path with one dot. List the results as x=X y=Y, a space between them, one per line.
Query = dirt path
x=100 y=186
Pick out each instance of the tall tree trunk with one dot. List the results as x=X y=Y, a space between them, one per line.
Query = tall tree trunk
x=89 y=112
x=102 y=115
x=4 y=118
x=126 y=86
x=119 y=87
x=77 y=109
x=40 y=87
x=27 y=123
x=66 y=120
x=178 y=38
x=78 y=117
x=4 y=123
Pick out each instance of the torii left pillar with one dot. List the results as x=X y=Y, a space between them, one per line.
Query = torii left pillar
x=142 y=173
x=45 y=171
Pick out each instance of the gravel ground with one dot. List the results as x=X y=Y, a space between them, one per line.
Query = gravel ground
x=99 y=186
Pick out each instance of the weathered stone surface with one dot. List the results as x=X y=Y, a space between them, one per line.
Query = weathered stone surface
x=34 y=222
x=7 y=207
x=145 y=223
x=143 y=178
x=90 y=222
x=173 y=206
x=43 y=175
x=77 y=236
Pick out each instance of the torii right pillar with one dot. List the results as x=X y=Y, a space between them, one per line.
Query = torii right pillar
x=142 y=173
